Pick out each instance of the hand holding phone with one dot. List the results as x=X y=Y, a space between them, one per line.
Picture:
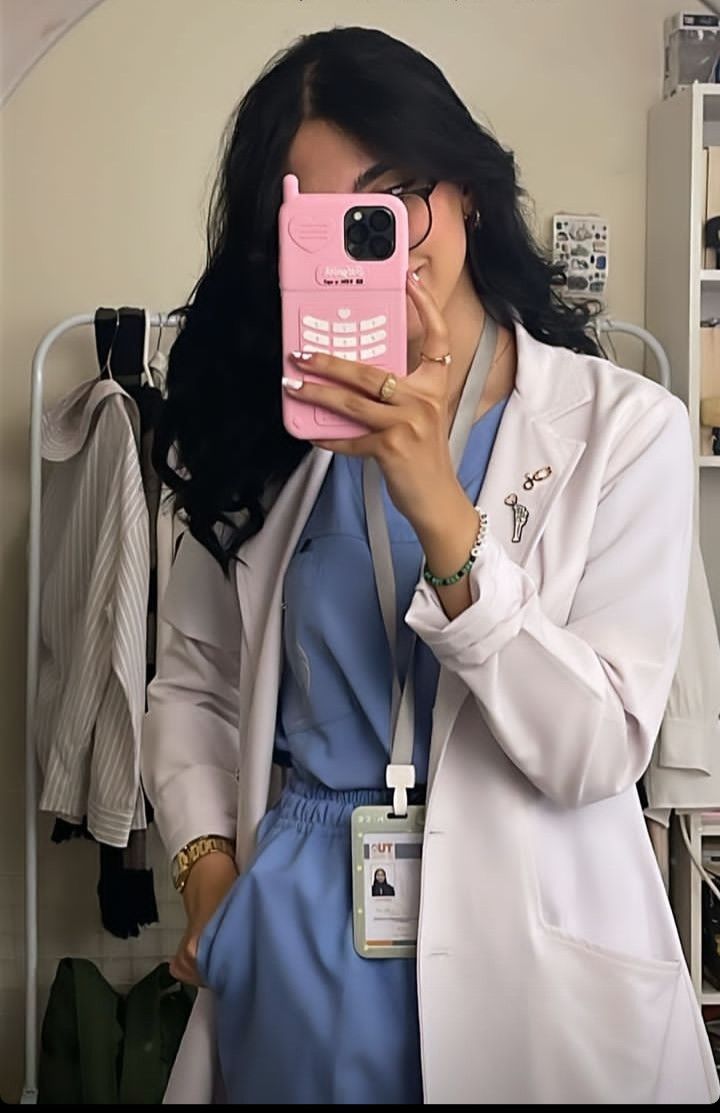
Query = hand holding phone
x=343 y=268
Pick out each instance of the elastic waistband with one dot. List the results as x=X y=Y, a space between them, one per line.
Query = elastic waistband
x=299 y=784
x=307 y=803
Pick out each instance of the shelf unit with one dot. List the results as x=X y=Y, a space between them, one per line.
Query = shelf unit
x=680 y=293
x=687 y=895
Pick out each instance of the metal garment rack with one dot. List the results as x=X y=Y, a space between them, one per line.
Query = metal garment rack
x=609 y=324
x=156 y=320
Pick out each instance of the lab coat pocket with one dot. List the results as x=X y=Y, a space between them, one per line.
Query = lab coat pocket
x=621 y=1006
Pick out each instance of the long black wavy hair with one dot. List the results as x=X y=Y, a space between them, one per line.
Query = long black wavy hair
x=221 y=442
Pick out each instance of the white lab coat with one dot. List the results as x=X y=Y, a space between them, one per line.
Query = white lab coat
x=549 y=967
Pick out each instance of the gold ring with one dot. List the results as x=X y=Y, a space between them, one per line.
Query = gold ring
x=446 y=360
x=387 y=389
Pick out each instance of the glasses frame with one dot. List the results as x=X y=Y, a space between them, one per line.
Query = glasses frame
x=425 y=192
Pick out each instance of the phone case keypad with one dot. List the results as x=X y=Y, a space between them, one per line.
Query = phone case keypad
x=361 y=339
x=344 y=336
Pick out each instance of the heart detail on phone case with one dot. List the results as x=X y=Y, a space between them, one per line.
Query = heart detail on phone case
x=344 y=314
x=308 y=234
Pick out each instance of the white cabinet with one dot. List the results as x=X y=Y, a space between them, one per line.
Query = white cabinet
x=679 y=295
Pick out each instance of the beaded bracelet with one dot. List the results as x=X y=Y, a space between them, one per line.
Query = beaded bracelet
x=480 y=541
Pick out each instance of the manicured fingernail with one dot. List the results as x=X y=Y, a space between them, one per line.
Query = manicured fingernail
x=415 y=276
x=302 y=355
x=292 y=384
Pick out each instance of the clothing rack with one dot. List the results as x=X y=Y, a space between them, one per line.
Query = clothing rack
x=156 y=320
x=609 y=324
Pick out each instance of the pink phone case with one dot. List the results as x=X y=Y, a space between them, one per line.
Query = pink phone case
x=332 y=303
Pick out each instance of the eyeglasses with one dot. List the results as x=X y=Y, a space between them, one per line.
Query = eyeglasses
x=417 y=203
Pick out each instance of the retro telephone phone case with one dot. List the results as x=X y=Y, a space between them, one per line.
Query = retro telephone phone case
x=343 y=267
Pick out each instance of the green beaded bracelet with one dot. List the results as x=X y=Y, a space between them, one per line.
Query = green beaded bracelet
x=448 y=581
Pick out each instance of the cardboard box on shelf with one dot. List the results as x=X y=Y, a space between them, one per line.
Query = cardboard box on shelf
x=710 y=361
x=709 y=378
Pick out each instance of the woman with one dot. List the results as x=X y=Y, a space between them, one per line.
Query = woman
x=548 y=965
x=381 y=887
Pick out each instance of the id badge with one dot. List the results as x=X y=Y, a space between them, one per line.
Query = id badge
x=386 y=865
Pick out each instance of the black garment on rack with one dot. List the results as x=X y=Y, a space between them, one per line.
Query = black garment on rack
x=121 y=340
x=125 y=889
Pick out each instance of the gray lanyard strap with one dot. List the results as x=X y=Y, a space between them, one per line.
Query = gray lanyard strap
x=400 y=774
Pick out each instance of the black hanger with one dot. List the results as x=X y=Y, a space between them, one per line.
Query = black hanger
x=107 y=322
x=121 y=342
x=129 y=355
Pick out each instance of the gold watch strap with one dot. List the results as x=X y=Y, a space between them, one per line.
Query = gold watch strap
x=193 y=851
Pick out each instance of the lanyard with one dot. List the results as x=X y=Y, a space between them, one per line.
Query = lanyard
x=400 y=773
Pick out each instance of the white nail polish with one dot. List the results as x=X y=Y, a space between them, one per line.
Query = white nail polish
x=292 y=384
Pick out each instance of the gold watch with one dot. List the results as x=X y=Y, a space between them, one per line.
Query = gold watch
x=189 y=854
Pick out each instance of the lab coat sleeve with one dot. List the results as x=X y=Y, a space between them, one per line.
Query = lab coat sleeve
x=577 y=707
x=190 y=736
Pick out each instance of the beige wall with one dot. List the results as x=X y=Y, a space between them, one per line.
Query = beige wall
x=108 y=147
x=29 y=29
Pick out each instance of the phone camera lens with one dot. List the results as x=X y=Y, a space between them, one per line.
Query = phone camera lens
x=357 y=233
x=380 y=247
x=380 y=220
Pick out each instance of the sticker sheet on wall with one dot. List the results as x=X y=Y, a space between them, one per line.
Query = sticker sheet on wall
x=580 y=248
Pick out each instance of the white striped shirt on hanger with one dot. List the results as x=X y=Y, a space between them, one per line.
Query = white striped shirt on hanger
x=95 y=569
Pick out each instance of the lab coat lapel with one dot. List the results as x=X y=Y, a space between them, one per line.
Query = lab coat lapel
x=260 y=572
